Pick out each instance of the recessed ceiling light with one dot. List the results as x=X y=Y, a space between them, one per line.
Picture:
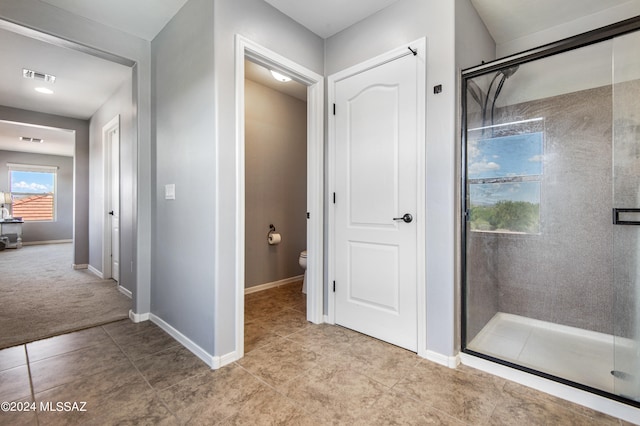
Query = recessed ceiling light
x=35 y=75
x=28 y=139
x=280 y=77
x=44 y=90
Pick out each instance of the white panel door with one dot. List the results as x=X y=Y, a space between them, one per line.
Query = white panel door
x=114 y=140
x=376 y=137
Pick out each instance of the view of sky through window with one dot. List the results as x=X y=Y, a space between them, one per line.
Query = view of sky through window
x=505 y=157
x=32 y=182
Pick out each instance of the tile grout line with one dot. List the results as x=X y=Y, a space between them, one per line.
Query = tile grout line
x=269 y=385
x=154 y=390
x=33 y=394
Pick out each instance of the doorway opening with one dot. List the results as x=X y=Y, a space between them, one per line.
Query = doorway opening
x=111 y=167
x=248 y=50
x=275 y=202
x=79 y=112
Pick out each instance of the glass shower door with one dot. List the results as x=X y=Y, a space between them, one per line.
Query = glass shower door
x=626 y=215
x=538 y=260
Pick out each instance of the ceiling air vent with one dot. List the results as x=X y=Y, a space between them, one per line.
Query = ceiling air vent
x=27 y=139
x=35 y=75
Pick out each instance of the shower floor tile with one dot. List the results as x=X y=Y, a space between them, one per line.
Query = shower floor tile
x=570 y=353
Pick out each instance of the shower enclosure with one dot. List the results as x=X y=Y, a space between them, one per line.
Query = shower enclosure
x=551 y=211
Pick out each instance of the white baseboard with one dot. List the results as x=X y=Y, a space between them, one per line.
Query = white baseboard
x=125 y=291
x=80 y=266
x=228 y=358
x=94 y=271
x=569 y=393
x=138 y=317
x=266 y=286
x=212 y=361
x=447 y=361
x=39 y=243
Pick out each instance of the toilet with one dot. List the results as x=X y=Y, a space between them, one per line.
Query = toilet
x=302 y=261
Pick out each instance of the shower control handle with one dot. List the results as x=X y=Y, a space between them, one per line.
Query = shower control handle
x=407 y=218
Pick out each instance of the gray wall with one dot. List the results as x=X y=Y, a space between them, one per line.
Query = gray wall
x=80 y=171
x=275 y=182
x=62 y=227
x=120 y=103
x=184 y=124
x=564 y=274
x=474 y=44
x=41 y=16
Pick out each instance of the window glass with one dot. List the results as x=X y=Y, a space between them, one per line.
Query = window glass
x=504 y=174
x=33 y=194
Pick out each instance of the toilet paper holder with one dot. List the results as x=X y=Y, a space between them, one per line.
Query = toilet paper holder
x=273 y=238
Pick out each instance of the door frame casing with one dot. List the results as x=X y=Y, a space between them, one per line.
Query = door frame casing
x=245 y=48
x=421 y=211
x=107 y=129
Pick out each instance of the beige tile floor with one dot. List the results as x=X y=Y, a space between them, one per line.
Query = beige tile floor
x=293 y=373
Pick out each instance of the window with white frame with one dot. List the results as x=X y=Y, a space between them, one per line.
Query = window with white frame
x=33 y=190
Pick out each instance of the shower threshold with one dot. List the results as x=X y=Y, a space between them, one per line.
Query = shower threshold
x=574 y=354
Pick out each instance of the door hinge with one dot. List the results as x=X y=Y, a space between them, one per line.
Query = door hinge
x=334 y=286
x=334 y=198
x=334 y=109
x=308 y=215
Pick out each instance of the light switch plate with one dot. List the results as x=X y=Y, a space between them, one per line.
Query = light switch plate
x=170 y=191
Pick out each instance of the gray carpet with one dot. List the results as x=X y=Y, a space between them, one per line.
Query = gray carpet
x=42 y=296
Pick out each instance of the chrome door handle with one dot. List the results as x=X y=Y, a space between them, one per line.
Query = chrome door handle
x=407 y=218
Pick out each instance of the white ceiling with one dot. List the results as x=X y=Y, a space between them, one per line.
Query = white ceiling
x=142 y=18
x=512 y=19
x=83 y=82
x=328 y=17
x=56 y=141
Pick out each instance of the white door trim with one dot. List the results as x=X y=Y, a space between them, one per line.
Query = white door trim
x=246 y=48
x=113 y=124
x=421 y=212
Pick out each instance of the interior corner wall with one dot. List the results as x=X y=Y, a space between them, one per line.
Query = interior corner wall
x=275 y=183
x=120 y=103
x=474 y=44
x=261 y=23
x=62 y=227
x=80 y=170
x=52 y=20
x=398 y=24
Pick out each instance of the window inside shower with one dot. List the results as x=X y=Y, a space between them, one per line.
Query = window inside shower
x=504 y=175
x=551 y=148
